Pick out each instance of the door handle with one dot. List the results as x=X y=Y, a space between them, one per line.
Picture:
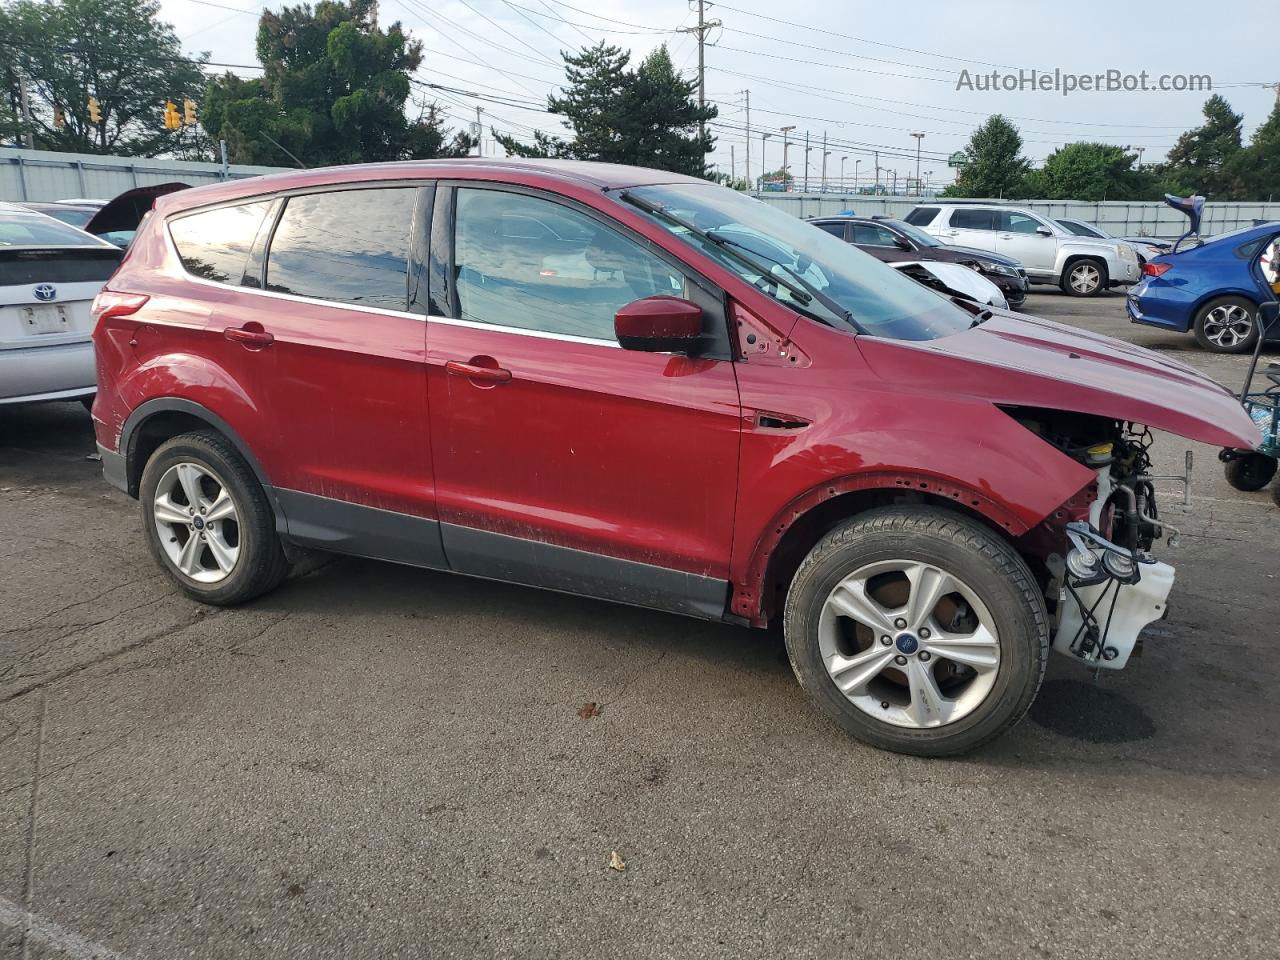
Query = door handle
x=250 y=335
x=1006 y=236
x=478 y=372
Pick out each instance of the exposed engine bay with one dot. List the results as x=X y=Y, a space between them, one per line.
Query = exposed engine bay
x=1105 y=585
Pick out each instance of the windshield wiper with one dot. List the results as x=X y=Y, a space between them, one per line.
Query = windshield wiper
x=799 y=292
x=813 y=292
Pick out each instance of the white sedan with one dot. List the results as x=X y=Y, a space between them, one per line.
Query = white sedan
x=49 y=274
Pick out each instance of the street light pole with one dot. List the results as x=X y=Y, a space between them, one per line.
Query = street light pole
x=919 y=138
x=785 y=146
x=856 y=164
x=843 y=186
x=807 y=148
x=763 y=169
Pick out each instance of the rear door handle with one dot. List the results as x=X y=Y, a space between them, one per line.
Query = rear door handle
x=478 y=372
x=250 y=336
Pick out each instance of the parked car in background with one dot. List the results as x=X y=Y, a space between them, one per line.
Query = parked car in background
x=80 y=215
x=1211 y=290
x=954 y=280
x=49 y=275
x=645 y=387
x=895 y=241
x=1144 y=247
x=1081 y=266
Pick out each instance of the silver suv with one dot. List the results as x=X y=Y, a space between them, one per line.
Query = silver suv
x=1082 y=266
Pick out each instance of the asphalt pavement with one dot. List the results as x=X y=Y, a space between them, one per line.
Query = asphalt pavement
x=376 y=761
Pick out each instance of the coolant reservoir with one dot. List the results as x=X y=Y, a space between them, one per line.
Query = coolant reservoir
x=1136 y=605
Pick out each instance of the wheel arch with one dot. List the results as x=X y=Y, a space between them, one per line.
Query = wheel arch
x=163 y=418
x=1220 y=294
x=1073 y=258
x=794 y=530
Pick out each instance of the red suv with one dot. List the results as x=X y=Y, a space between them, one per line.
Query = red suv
x=627 y=384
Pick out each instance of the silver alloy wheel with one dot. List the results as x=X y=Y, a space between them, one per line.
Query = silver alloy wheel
x=1084 y=278
x=899 y=664
x=197 y=521
x=1228 y=325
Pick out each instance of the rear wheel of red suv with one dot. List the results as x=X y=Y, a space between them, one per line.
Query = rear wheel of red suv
x=917 y=630
x=208 y=521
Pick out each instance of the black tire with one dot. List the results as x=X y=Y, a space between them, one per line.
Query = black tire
x=261 y=565
x=991 y=567
x=1253 y=471
x=1211 y=333
x=1073 y=275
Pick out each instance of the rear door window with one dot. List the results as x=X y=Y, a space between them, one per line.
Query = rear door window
x=922 y=216
x=214 y=244
x=970 y=218
x=350 y=246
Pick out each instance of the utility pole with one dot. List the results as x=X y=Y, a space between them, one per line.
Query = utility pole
x=895 y=183
x=877 y=156
x=919 y=139
x=704 y=27
x=807 y=148
x=747 y=160
x=825 y=154
x=764 y=168
x=785 y=146
x=24 y=103
x=733 y=165
x=479 y=135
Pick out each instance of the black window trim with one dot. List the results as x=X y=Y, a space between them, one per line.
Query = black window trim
x=720 y=345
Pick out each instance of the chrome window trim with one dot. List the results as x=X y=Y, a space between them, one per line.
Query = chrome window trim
x=540 y=334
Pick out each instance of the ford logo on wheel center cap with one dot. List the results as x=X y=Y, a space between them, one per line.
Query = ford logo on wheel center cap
x=907 y=643
x=45 y=291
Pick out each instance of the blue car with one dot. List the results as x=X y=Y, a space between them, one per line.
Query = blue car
x=1212 y=290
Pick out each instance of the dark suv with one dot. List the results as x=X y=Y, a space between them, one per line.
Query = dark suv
x=644 y=387
x=895 y=241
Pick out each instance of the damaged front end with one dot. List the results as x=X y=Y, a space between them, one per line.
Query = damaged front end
x=1102 y=583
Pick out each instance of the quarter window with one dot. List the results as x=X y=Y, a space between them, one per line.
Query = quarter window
x=215 y=244
x=537 y=265
x=351 y=246
x=835 y=229
x=967 y=218
x=922 y=216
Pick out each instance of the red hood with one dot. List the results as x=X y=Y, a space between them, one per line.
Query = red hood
x=1037 y=363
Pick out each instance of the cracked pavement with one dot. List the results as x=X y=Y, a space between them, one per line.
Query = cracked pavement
x=376 y=761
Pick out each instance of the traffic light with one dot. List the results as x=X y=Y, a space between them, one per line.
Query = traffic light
x=171 y=119
x=95 y=111
x=188 y=113
x=59 y=117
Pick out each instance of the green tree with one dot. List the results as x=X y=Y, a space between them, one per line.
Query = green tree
x=1089 y=171
x=115 y=50
x=1256 y=168
x=334 y=90
x=1203 y=159
x=996 y=165
x=648 y=116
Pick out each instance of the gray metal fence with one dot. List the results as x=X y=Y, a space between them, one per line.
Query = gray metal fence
x=1119 y=217
x=45 y=175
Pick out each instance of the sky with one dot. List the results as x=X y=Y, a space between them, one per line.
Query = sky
x=867 y=75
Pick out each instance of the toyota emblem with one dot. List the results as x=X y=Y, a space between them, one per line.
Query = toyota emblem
x=45 y=291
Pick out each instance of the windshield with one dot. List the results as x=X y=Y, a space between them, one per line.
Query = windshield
x=791 y=254
x=1081 y=229
x=915 y=233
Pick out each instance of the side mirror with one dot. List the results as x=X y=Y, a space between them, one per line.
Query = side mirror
x=1044 y=231
x=1267 y=314
x=659 y=324
x=902 y=243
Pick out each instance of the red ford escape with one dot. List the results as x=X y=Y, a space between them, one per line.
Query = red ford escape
x=627 y=384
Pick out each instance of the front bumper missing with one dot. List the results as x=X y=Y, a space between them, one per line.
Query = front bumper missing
x=1099 y=619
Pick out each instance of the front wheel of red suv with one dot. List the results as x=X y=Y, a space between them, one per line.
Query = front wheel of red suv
x=208 y=521
x=917 y=630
